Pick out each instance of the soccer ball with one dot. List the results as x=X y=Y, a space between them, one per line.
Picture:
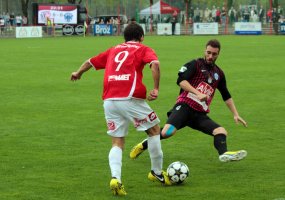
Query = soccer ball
x=177 y=172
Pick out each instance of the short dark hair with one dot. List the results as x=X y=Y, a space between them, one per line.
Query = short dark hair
x=133 y=31
x=214 y=43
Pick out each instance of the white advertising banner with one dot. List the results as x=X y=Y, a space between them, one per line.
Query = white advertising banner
x=29 y=32
x=205 y=29
x=248 y=28
x=63 y=14
x=166 y=29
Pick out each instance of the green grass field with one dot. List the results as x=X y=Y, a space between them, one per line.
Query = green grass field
x=53 y=142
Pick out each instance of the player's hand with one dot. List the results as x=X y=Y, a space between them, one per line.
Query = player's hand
x=75 y=76
x=238 y=119
x=202 y=97
x=153 y=95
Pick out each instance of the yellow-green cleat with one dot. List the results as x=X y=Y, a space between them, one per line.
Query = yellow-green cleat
x=233 y=156
x=117 y=187
x=137 y=150
x=162 y=178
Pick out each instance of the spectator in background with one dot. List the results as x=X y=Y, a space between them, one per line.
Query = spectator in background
x=232 y=15
x=2 y=25
x=214 y=10
x=173 y=23
x=197 y=15
x=101 y=21
x=261 y=14
x=19 y=20
x=207 y=14
x=12 y=19
x=25 y=21
x=246 y=15
x=191 y=13
x=224 y=16
x=218 y=15
x=133 y=20
x=280 y=10
x=252 y=13
x=269 y=16
x=275 y=20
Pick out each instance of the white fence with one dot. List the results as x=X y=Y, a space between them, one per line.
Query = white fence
x=157 y=29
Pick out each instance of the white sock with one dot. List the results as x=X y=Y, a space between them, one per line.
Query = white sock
x=115 y=162
x=155 y=153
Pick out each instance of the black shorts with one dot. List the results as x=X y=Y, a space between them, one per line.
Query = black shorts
x=182 y=115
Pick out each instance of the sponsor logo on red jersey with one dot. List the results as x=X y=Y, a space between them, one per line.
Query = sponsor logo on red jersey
x=123 y=77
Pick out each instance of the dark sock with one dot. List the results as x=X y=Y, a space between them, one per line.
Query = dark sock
x=220 y=143
x=145 y=146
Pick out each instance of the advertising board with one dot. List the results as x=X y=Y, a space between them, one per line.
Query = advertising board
x=61 y=14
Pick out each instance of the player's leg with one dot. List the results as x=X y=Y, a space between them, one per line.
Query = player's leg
x=115 y=163
x=145 y=119
x=220 y=143
x=207 y=125
x=177 y=119
x=156 y=156
x=117 y=129
x=167 y=131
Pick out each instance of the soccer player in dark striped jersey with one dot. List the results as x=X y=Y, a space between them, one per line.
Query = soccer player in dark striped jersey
x=198 y=81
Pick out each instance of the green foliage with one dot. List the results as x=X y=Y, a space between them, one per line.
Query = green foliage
x=53 y=135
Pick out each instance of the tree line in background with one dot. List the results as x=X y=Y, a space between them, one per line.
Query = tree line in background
x=131 y=7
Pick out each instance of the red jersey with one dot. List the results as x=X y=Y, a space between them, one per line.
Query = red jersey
x=123 y=66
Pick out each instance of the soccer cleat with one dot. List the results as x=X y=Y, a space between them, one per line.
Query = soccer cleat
x=137 y=150
x=233 y=156
x=117 y=187
x=163 y=178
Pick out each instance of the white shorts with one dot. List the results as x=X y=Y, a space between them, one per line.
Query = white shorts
x=119 y=114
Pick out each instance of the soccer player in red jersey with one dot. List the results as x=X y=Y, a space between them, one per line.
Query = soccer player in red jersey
x=124 y=97
x=198 y=81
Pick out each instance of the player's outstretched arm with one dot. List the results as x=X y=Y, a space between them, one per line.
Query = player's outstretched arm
x=82 y=69
x=232 y=107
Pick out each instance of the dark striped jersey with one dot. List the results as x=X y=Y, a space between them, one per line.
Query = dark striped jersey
x=206 y=78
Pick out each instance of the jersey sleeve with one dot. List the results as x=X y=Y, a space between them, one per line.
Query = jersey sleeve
x=149 y=55
x=186 y=71
x=222 y=87
x=99 y=61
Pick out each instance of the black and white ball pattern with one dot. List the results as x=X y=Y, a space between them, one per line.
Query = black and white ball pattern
x=177 y=172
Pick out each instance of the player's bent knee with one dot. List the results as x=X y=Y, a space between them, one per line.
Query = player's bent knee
x=220 y=130
x=155 y=130
x=168 y=131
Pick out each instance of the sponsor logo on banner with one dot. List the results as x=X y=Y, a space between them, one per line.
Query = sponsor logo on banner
x=28 y=32
x=166 y=29
x=205 y=29
x=248 y=28
x=68 y=17
x=103 y=29
x=64 y=14
x=69 y=29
